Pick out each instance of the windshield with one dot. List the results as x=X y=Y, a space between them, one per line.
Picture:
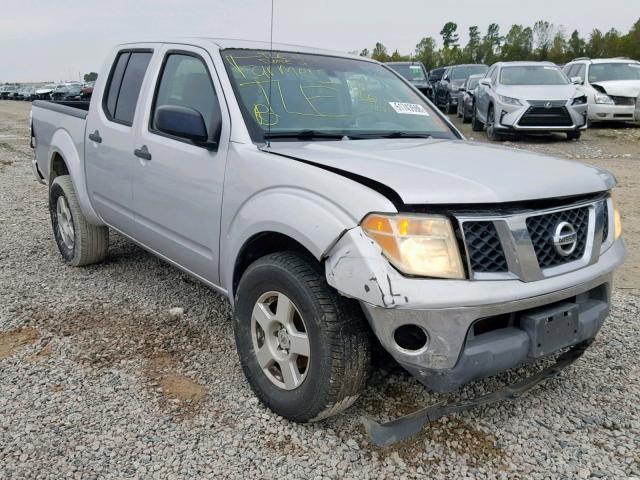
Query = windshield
x=532 y=75
x=317 y=95
x=603 y=72
x=413 y=73
x=462 y=73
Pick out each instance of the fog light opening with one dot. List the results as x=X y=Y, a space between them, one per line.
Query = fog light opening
x=411 y=338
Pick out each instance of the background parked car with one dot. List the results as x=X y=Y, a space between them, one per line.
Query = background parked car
x=67 y=92
x=8 y=91
x=637 y=112
x=415 y=72
x=44 y=92
x=466 y=97
x=611 y=86
x=87 y=90
x=25 y=93
x=434 y=77
x=528 y=97
x=446 y=90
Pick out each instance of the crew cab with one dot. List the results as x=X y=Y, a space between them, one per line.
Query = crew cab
x=330 y=202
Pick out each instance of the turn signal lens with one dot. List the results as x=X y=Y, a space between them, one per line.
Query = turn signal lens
x=417 y=244
x=617 y=220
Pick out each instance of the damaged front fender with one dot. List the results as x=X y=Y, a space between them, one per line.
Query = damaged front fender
x=356 y=268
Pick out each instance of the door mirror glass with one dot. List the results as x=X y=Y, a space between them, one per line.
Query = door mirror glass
x=183 y=122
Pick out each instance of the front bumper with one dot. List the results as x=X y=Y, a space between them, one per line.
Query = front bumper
x=617 y=113
x=448 y=310
x=510 y=118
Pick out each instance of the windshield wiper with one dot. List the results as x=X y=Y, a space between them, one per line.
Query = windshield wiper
x=404 y=135
x=308 y=135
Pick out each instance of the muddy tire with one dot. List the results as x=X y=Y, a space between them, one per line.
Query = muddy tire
x=304 y=349
x=79 y=242
x=492 y=135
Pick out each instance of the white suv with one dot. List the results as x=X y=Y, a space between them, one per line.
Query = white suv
x=611 y=85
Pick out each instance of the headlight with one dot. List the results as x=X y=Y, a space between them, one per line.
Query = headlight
x=581 y=100
x=604 y=99
x=617 y=220
x=509 y=100
x=417 y=244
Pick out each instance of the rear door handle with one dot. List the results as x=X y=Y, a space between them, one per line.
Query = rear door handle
x=95 y=136
x=142 y=153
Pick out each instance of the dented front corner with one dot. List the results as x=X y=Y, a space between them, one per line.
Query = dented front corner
x=356 y=268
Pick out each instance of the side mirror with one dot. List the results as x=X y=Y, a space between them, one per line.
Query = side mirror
x=184 y=122
x=485 y=81
x=462 y=89
x=576 y=80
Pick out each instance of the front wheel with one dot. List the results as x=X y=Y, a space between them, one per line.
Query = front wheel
x=491 y=129
x=476 y=125
x=575 y=135
x=304 y=349
x=451 y=109
x=79 y=242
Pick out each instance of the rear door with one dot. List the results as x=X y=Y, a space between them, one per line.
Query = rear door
x=109 y=143
x=178 y=190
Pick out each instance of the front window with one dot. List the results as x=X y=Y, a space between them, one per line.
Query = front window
x=319 y=96
x=473 y=83
x=604 y=72
x=462 y=73
x=532 y=75
x=413 y=73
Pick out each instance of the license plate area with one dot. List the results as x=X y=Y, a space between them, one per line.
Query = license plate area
x=551 y=328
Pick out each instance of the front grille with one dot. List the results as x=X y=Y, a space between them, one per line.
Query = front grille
x=626 y=101
x=542 y=103
x=605 y=224
x=483 y=245
x=546 y=117
x=541 y=230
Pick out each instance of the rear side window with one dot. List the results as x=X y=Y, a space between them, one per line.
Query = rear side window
x=124 y=85
x=185 y=82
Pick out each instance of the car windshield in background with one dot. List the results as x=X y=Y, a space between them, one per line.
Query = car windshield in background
x=319 y=96
x=473 y=83
x=532 y=75
x=604 y=72
x=462 y=73
x=413 y=73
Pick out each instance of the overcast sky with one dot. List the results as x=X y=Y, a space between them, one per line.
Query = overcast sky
x=55 y=40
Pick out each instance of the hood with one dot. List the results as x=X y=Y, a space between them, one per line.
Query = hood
x=620 y=88
x=538 y=92
x=435 y=171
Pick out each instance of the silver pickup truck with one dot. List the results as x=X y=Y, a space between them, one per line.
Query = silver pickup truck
x=333 y=205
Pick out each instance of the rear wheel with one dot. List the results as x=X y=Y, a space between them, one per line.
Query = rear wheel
x=304 y=349
x=79 y=242
x=451 y=109
x=476 y=125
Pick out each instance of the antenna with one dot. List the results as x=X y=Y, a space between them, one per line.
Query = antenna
x=270 y=77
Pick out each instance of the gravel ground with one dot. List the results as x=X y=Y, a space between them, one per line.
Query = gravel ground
x=128 y=370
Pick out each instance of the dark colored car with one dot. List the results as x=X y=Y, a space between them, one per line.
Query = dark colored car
x=25 y=93
x=434 y=77
x=466 y=97
x=415 y=72
x=68 y=92
x=446 y=90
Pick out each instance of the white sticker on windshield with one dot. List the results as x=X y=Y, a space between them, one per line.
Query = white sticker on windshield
x=409 y=108
x=634 y=65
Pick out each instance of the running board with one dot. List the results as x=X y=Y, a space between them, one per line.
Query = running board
x=402 y=428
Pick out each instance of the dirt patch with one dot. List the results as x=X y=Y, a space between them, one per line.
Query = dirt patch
x=13 y=340
x=177 y=391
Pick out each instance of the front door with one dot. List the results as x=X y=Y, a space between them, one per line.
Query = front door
x=109 y=143
x=177 y=189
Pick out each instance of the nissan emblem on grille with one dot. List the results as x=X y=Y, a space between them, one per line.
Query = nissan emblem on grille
x=565 y=239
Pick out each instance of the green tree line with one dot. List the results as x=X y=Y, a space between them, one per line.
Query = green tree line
x=542 y=41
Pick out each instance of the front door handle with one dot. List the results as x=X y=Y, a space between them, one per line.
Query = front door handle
x=95 y=136
x=142 y=153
